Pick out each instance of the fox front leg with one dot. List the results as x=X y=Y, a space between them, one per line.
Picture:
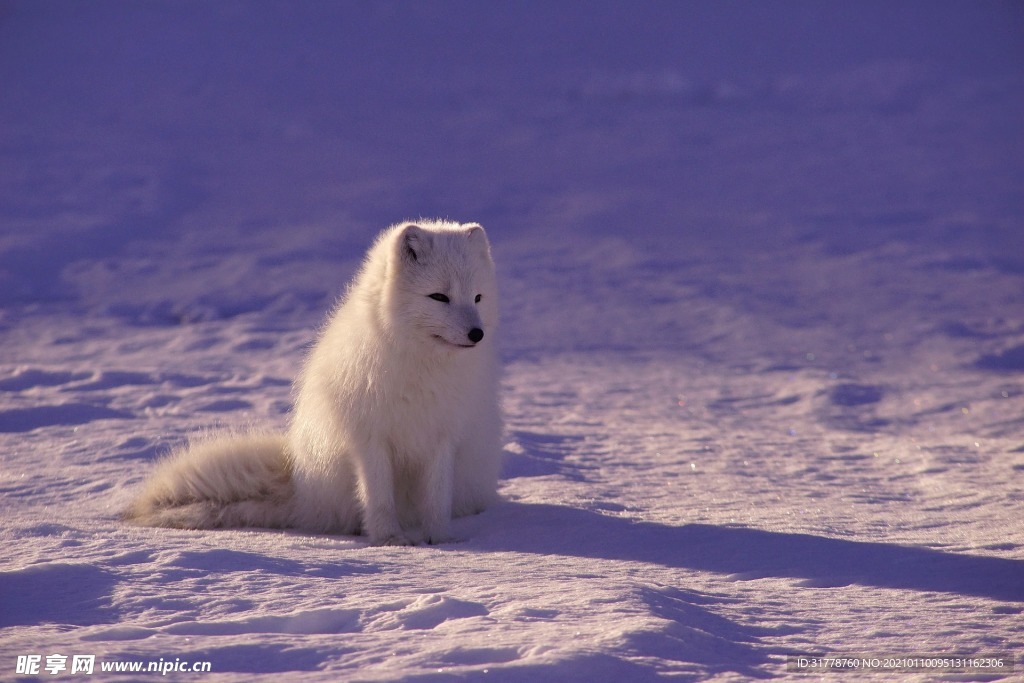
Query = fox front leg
x=435 y=490
x=377 y=494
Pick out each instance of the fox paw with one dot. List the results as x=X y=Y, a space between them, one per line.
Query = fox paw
x=395 y=539
x=438 y=539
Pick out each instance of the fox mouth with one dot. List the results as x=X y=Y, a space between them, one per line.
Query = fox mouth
x=451 y=343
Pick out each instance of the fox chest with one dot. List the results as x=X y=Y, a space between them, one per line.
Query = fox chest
x=417 y=422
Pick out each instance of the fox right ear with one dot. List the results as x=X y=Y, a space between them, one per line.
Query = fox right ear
x=414 y=244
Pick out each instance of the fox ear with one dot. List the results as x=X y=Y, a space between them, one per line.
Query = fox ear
x=477 y=236
x=414 y=244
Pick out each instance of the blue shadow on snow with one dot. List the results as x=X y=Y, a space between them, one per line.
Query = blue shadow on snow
x=821 y=562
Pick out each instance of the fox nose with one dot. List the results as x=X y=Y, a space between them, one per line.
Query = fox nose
x=476 y=334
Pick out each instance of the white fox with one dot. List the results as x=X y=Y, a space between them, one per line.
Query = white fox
x=396 y=427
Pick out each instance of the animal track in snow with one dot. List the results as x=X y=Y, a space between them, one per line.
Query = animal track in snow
x=426 y=612
x=66 y=414
x=29 y=378
x=308 y=622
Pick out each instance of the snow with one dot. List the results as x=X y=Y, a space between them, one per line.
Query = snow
x=762 y=275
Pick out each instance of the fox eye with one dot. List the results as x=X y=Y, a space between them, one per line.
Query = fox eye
x=437 y=296
x=477 y=299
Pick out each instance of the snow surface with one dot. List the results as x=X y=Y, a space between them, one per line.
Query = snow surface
x=762 y=272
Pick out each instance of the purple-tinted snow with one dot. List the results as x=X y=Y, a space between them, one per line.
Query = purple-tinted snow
x=762 y=271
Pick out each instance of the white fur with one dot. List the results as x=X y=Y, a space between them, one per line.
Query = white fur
x=396 y=427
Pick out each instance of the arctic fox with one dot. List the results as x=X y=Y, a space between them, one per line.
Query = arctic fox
x=396 y=426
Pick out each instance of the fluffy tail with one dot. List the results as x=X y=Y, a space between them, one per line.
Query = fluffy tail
x=226 y=481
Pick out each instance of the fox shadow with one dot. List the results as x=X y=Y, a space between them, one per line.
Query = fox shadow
x=817 y=561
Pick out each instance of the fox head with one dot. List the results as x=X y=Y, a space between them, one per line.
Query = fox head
x=444 y=284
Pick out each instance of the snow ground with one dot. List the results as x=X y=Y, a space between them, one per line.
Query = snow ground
x=763 y=294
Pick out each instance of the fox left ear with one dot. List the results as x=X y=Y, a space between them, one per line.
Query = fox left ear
x=477 y=235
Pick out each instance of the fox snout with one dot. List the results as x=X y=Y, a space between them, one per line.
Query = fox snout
x=464 y=330
x=473 y=336
x=468 y=318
